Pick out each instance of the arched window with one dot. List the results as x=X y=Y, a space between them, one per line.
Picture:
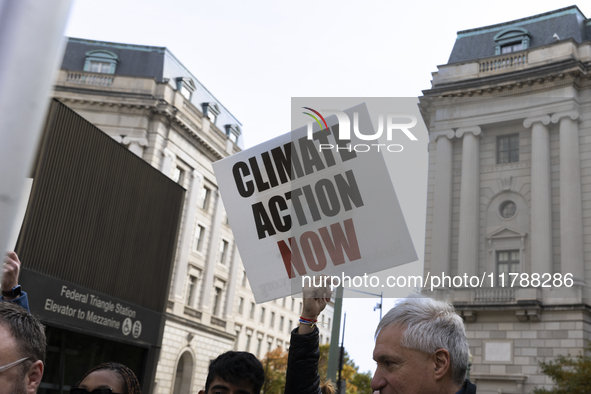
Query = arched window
x=511 y=40
x=184 y=374
x=101 y=61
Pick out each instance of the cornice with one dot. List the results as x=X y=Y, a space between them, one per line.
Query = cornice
x=154 y=107
x=517 y=82
x=171 y=113
x=109 y=106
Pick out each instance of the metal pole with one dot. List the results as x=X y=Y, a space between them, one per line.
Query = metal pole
x=31 y=44
x=333 y=352
x=341 y=355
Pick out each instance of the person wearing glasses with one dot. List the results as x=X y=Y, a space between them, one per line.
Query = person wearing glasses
x=108 y=378
x=22 y=350
x=11 y=291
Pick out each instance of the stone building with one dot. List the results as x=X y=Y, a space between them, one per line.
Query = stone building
x=144 y=98
x=509 y=118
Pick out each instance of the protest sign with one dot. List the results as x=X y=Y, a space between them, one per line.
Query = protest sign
x=312 y=202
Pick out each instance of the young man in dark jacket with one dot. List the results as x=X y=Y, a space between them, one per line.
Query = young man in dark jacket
x=234 y=373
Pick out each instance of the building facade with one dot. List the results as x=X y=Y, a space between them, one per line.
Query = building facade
x=509 y=198
x=145 y=99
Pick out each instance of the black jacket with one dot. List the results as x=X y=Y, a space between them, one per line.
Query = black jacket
x=302 y=364
x=469 y=388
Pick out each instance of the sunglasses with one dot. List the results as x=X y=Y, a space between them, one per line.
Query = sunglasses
x=95 y=391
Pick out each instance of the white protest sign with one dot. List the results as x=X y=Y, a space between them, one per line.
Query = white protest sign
x=308 y=204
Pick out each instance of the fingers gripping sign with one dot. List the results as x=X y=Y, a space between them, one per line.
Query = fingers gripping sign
x=315 y=300
x=10 y=272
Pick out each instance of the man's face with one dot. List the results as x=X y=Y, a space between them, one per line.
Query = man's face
x=220 y=386
x=12 y=380
x=401 y=370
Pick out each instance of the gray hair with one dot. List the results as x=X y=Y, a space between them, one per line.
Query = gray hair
x=431 y=325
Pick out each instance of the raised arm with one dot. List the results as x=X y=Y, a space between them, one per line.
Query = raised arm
x=302 y=363
x=11 y=291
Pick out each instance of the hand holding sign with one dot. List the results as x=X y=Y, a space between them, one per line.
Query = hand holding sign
x=315 y=300
x=10 y=272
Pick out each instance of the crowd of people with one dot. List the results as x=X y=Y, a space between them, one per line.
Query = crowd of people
x=420 y=347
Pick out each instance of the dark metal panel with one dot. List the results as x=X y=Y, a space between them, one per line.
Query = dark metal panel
x=99 y=216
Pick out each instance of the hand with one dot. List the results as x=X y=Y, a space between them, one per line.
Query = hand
x=10 y=271
x=315 y=300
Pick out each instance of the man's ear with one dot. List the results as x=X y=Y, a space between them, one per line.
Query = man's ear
x=33 y=377
x=201 y=392
x=442 y=363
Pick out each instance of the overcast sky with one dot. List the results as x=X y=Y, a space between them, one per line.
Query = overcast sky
x=254 y=56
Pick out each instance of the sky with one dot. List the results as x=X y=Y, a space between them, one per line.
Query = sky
x=254 y=56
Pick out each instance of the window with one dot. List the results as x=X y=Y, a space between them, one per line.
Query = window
x=290 y=326
x=329 y=324
x=511 y=48
x=507 y=209
x=259 y=343
x=185 y=86
x=233 y=132
x=211 y=111
x=251 y=313
x=248 y=338
x=508 y=149
x=284 y=301
x=191 y=289
x=101 y=61
x=217 y=300
x=281 y=319
x=507 y=262
x=511 y=40
x=199 y=235
x=100 y=67
x=262 y=315
x=301 y=306
x=292 y=304
x=272 y=322
x=223 y=252
x=240 y=305
x=205 y=197
x=178 y=175
x=244 y=278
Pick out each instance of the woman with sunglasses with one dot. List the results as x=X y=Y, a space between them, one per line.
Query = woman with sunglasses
x=108 y=378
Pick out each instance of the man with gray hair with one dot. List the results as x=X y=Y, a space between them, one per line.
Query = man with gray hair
x=421 y=347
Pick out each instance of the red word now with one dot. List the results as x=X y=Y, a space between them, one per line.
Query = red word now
x=313 y=248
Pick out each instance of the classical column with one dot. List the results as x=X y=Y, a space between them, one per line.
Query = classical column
x=180 y=274
x=571 y=211
x=167 y=161
x=135 y=144
x=541 y=198
x=469 y=201
x=231 y=287
x=442 y=192
x=214 y=242
x=158 y=131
